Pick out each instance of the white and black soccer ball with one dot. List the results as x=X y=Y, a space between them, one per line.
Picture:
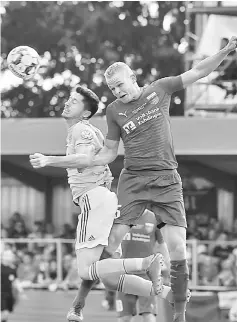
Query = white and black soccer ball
x=23 y=61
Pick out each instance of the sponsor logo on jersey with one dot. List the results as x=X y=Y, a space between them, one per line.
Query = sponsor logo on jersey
x=129 y=127
x=139 y=108
x=91 y=238
x=123 y=114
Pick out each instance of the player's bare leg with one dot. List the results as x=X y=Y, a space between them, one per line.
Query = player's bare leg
x=175 y=238
x=89 y=256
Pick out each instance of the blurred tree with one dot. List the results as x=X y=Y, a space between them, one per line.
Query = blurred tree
x=79 y=40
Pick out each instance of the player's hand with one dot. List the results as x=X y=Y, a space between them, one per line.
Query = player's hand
x=38 y=160
x=232 y=45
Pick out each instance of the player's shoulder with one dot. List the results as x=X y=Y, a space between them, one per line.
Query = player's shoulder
x=83 y=129
x=157 y=83
x=114 y=105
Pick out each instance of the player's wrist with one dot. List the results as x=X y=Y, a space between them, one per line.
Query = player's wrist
x=49 y=160
x=226 y=50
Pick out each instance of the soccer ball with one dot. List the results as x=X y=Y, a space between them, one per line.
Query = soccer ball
x=23 y=61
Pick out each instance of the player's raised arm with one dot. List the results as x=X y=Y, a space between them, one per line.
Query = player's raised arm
x=208 y=65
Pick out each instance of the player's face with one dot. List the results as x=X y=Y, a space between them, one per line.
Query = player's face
x=74 y=107
x=123 y=86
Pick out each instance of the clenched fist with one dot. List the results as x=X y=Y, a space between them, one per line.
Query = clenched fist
x=232 y=45
x=38 y=160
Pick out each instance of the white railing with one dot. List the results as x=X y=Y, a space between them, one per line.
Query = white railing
x=194 y=280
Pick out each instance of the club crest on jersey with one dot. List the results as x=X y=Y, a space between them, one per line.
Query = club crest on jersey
x=86 y=135
x=129 y=127
x=153 y=98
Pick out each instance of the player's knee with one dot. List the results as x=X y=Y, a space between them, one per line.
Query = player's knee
x=179 y=249
x=110 y=283
x=83 y=271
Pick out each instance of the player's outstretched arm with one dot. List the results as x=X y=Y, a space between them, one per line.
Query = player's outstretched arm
x=81 y=159
x=208 y=65
x=84 y=157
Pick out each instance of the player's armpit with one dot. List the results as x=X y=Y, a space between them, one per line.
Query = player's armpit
x=107 y=154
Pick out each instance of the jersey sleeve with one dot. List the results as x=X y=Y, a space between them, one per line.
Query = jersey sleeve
x=171 y=84
x=82 y=135
x=113 y=127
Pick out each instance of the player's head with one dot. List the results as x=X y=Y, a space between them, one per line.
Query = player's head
x=82 y=104
x=122 y=81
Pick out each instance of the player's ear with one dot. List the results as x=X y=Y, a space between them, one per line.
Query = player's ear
x=134 y=78
x=86 y=114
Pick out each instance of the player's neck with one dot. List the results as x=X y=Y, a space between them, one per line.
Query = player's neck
x=137 y=93
x=71 y=122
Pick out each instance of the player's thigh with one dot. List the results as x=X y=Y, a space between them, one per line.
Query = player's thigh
x=147 y=307
x=86 y=257
x=132 y=197
x=125 y=306
x=175 y=238
x=98 y=208
x=167 y=199
x=117 y=233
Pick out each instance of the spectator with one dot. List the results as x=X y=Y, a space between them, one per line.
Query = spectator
x=37 y=231
x=18 y=230
x=26 y=271
x=222 y=249
x=16 y=217
x=67 y=232
x=4 y=233
x=227 y=276
x=48 y=230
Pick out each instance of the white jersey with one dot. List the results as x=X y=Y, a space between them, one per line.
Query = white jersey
x=83 y=180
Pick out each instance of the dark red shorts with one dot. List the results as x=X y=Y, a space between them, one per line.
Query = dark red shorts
x=159 y=191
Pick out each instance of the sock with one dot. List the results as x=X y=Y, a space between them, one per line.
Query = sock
x=129 y=284
x=179 y=284
x=118 y=266
x=86 y=286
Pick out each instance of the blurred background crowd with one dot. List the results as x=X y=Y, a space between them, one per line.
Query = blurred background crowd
x=37 y=262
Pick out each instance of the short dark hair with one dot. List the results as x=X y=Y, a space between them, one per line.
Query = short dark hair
x=90 y=98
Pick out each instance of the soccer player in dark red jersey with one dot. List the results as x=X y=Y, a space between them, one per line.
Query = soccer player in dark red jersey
x=140 y=117
x=143 y=239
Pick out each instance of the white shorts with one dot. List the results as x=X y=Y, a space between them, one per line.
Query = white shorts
x=98 y=211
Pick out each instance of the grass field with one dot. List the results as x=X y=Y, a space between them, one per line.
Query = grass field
x=44 y=306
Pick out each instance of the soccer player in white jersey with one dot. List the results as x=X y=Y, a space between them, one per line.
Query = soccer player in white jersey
x=90 y=190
